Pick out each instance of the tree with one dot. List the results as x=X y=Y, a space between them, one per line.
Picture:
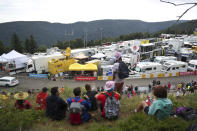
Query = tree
x=2 y=48
x=26 y=46
x=16 y=43
x=179 y=17
x=32 y=45
x=42 y=48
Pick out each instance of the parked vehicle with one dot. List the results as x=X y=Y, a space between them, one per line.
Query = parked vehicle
x=192 y=65
x=162 y=59
x=175 y=66
x=8 y=81
x=148 y=67
x=39 y=63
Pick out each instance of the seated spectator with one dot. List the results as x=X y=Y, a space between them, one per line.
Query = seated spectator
x=91 y=96
x=41 y=98
x=83 y=116
x=161 y=107
x=102 y=97
x=55 y=106
x=21 y=102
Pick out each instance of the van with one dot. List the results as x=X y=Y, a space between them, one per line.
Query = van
x=162 y=59
x=175 y=66
x=148 y=67
x=192 y=65
x=8 y=81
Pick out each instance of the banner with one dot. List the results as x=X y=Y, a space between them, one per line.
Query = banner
x=187 y=73
x=38 y=75
x=85 y=78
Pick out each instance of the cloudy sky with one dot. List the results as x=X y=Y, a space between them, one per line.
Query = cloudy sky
x=69 y=11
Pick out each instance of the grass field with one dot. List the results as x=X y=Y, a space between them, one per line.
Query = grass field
x=12 y=119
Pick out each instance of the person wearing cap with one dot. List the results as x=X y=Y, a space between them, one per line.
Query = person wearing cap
x=21 y=102
x=118 y=82
x=41 y=98
x=85 y=116
x=55 y=106
x=101 y=97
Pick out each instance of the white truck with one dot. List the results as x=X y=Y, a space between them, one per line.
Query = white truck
x=175 y=66
x=148 y=67
x=192 y=65
x=162 y=59
x=39 y=63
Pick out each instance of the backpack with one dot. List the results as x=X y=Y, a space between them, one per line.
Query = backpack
x=112 y=107
x=123 y=71
x=91 y=96
x=186 y=113
x=75 y=112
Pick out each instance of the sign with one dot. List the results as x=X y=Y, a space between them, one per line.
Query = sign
x=187 y=73
x=38 y=75
x=85 y=78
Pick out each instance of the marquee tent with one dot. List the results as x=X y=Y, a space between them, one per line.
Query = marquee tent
x=17 y=58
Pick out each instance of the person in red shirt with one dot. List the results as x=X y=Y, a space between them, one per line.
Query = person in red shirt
x=109 y=89
x=41 y=99
x=21 y=102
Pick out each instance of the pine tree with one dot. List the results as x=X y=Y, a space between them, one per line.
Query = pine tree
x=2 y=48
x=33 y=47
x=16 y=43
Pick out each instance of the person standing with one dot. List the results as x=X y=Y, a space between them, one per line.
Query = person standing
x=55 y=106
x=118 y=81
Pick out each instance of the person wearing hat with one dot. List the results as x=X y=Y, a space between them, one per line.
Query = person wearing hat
x=41 y=98
x=21 y=102
x=109 y=90
x=55 y=106
x=118 y=82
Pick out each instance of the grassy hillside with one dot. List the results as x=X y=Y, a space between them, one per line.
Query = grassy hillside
x=33 y=120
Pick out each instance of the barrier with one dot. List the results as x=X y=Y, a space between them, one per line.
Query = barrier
x=38 y=75
x=152 y=75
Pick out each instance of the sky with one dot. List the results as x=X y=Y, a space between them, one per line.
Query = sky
x=70 y=11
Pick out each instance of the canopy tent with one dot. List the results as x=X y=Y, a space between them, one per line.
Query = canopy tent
x=98 y=55
x=17 y=58
x=2 y=59
x=86 y=67
x=80 y=56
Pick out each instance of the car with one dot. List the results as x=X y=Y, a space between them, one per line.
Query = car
x=8 y=81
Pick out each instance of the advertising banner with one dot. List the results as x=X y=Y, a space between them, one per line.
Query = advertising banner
x=84 y=78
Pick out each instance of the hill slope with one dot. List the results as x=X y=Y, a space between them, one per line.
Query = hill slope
x=47 y=33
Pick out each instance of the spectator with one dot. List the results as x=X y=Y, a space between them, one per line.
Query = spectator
x=21 y=102
x=169 y=86
x=118 y=82
x=55 y=105
x=91 y=96
x=161 y=107
x=130 y=91
x=85 y=104
x=109 y=88
x=41 y=98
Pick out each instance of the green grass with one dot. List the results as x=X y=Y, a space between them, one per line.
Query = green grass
x=12 y=119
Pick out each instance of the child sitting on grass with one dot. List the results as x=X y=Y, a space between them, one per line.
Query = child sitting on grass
x=161 y=107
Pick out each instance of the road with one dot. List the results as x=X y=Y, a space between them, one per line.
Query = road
x=33 y=83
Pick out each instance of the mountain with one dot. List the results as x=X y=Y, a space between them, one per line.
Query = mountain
x=48 y=33
x=182 y=28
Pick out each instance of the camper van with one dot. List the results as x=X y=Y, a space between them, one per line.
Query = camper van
x=175 y=66
x=192 y=66
x=162 y=59
x=148 y=67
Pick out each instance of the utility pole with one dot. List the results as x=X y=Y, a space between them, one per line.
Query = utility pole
x=69 y=34
x=101 y=29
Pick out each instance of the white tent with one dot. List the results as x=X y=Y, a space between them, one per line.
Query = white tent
x=2 y=59
x=98 y=55
x=17 y=58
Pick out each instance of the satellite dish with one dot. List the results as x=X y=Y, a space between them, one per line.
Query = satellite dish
x=135 y=47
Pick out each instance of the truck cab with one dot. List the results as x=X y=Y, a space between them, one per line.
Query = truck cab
x=30 y=66
x=192 y=65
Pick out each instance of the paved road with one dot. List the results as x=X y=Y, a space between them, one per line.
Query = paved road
x=33 y=83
